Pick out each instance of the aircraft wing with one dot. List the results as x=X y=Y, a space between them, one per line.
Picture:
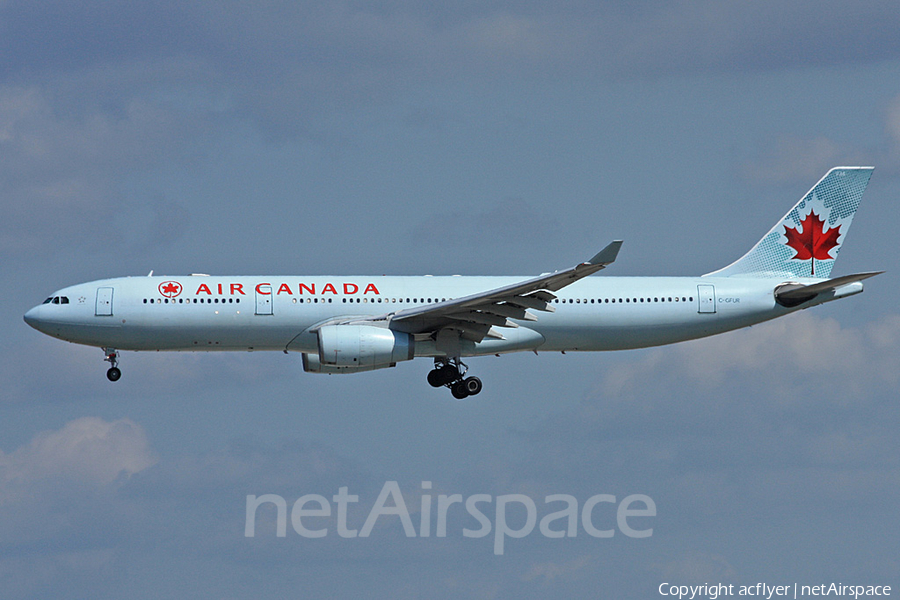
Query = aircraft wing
x=478 y=315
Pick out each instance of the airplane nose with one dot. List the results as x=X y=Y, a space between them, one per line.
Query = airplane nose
x=31 y=317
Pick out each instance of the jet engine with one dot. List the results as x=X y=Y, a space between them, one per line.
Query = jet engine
x=355 y=348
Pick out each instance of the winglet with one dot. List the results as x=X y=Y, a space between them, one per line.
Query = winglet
x=607 y=255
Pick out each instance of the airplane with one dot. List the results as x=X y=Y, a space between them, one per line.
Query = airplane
x=342 y=324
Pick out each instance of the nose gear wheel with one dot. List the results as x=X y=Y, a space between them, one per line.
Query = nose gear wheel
x=112 y=357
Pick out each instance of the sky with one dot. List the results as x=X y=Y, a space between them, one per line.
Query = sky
x=479 y=138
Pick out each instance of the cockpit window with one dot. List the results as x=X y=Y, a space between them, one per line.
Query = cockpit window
x=56 y=300
x=63 y=299
x=48 y=300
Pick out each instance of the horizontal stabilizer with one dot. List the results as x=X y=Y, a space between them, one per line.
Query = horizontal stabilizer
x=794 y=294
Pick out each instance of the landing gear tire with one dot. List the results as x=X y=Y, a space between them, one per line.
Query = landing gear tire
x=451 y=373
x=443 y=376
x=435 y=378
x=459 y=390
x=112 y=357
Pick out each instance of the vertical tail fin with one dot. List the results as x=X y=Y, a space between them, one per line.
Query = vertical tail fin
x=806 y=242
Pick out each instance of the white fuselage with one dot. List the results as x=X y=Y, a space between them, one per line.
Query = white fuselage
x=276 y=312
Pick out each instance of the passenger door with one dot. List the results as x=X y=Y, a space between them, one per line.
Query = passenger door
x=707 y=296
x=104 y=305
x=264 y=299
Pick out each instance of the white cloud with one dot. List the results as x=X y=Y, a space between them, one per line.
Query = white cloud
x=794 y=158
x=892 y=120
x=548 y=572
x=62 y=168
x=697 y=568
x=721 y=421
x=800 y=349
x=87 y=451
x=282 y=65
x=790 y=158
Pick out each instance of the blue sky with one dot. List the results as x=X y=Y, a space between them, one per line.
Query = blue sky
x=473 y=138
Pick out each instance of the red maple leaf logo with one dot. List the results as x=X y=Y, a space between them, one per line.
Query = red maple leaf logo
x=813 y=243
x=170 y=289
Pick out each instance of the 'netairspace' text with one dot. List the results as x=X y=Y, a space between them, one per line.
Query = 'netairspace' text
x=562 y=522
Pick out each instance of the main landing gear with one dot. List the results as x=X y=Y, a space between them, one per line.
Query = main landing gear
x=451 y=373
x=112 y=357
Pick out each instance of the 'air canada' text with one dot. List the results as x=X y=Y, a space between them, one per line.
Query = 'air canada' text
x=299 y=289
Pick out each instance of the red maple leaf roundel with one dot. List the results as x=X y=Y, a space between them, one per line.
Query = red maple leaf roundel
x=170 y=289
x=813 y=243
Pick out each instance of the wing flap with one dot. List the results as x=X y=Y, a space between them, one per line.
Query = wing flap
x=531 y=301
x=510 y=311
x=484 y=318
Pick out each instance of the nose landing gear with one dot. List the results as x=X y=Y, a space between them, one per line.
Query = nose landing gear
x=451 y=373
x=112 y=357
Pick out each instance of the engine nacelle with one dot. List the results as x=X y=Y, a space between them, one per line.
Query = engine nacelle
x=361 y=348
x=312 y=364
